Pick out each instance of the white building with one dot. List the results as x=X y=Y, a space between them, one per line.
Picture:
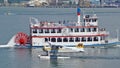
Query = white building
x=37 y=2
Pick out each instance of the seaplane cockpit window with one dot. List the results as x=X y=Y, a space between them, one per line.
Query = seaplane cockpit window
x=59 y=39
x=34 y=30
x=40 y=30
x=65 y=39
x=53 y=39
x=71 y=39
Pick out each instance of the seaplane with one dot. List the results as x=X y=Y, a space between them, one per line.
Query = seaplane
x=53 y=50
x=62 y=48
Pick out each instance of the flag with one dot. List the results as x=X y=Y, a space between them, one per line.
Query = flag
x=78 y=11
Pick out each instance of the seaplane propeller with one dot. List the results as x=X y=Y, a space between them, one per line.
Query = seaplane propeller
x=21 y=38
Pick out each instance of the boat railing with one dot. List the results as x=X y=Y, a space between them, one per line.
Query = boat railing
x=112 y=40
x=34 y=22
x=109 y=40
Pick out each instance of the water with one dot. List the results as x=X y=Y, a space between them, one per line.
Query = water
x=18 y=21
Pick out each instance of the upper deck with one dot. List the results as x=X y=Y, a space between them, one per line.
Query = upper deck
x=88 y=27
x=65 y=29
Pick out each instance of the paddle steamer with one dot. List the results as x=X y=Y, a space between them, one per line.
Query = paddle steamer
x=67 y=34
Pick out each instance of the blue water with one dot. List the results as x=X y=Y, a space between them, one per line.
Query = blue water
x=18 y=21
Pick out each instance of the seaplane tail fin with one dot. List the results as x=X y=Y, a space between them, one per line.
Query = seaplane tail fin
x=11 y=43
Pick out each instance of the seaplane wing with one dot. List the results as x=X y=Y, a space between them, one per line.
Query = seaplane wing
x=78 y=48
x=73 y=49
x=11 y=43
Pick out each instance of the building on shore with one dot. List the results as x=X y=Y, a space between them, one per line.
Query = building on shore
x=37 y=3
x=61 y=3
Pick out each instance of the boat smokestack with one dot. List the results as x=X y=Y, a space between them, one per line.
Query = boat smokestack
x=78 y=14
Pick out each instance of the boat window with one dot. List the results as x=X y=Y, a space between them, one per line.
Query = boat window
x=89 y=39
x=87 y=20
x=59 y=39
x=94 y=29
x=65 y=39
x=94 y=20
x=58 y=30
x=71 y=39
x=34 y=30
x=79 y=29
x=71 y=29
x=83 y=39
x=84 y=20
x=40 y=30
x=49 y=39
x=46 y=30
x=82 y=29
x=46 y=39
x=52 y=30
x=77 y=39
x=95 y=39
x=53 y=39
x=102 y=38
x=88 y=29
x=76 y=29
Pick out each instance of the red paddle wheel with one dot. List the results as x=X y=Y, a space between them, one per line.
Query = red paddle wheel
x=21 y=38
